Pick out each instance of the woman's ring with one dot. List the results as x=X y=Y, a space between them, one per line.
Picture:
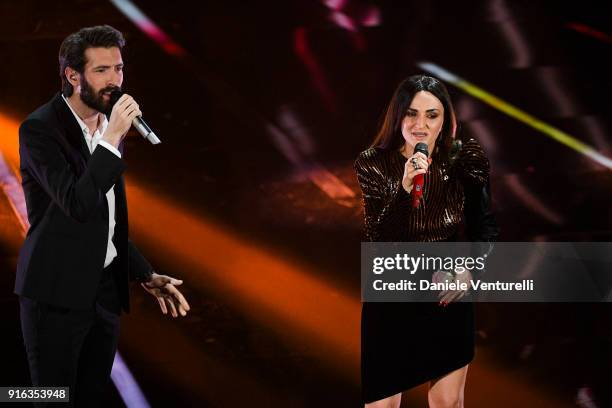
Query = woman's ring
x=415 y=164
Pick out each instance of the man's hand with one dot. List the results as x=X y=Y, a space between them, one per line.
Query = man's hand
x=168 y=296
x=123 y=113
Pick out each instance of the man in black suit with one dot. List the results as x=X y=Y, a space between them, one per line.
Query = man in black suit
x=76 y=261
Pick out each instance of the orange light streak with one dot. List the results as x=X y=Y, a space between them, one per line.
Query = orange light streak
x=9 y=141
x=281 y=293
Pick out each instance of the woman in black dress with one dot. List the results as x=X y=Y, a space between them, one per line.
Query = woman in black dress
x=407 y=344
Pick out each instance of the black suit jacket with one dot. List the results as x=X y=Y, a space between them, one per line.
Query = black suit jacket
x=62 y=258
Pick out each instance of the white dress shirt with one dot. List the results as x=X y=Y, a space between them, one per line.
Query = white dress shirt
x=92 y=143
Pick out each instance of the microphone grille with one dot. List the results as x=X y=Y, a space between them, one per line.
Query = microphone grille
x=114 y=96
x=421 y=147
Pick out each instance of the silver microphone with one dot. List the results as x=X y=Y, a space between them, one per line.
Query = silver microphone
x=144 y=129
x=139 y=124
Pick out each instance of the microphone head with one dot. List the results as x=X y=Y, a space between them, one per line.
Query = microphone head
x=421 y=147
x=114 y=96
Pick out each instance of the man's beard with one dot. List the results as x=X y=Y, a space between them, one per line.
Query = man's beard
x=95 y=100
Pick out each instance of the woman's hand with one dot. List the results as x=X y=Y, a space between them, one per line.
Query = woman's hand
x=447 y=296
x=416 y=164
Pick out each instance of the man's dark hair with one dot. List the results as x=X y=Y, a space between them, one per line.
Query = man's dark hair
x=72 y=50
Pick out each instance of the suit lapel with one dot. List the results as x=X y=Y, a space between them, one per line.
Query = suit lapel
x=74 y=133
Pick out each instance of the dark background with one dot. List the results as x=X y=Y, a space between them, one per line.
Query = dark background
x=252 y=198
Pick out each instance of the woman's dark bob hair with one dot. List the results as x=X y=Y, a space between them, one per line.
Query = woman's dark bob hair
x=389 y=135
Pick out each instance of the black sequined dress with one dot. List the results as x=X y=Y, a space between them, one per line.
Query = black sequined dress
x=406 y=344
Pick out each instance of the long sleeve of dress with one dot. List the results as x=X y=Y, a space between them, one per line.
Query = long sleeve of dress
x=473 y=170
x=384 y=197
x=471 y=164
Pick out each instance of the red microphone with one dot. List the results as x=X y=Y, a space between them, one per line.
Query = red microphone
x=419 y=179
